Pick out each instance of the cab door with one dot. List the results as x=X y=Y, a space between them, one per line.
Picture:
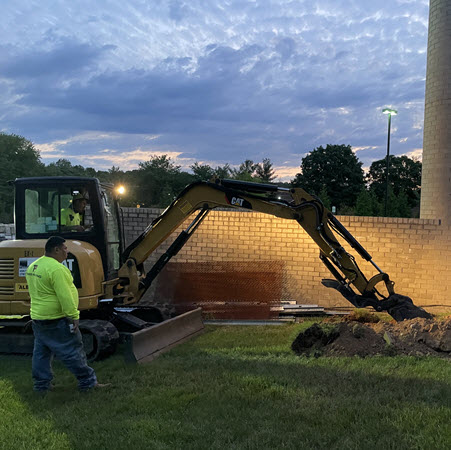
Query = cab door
x=112 y=233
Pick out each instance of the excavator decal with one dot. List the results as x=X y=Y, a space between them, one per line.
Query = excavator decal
x=238 y=201
x=72 y=264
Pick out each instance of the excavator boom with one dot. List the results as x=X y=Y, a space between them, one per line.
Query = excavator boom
x=292 y=204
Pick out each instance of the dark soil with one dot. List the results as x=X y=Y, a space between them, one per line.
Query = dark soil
x=356 y=337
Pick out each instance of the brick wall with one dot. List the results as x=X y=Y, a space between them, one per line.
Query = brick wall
x=7 y=231
x=243 y=256
x=251 y=258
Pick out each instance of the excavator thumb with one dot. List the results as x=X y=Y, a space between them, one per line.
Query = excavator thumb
x=144 y=345
x=400 y=307
x=403 y=308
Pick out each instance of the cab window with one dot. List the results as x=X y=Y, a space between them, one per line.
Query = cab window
x=112 y=229
x=53 y=210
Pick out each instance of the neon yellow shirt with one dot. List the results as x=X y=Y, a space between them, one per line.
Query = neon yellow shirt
x=69 y=217
x=52 y=290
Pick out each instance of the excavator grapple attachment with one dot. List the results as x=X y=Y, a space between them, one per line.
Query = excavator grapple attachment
x=144 y=345
x=404 y=309
x=400 y=307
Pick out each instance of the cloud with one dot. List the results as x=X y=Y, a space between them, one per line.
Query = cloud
x=360 y=149
x=286 y=173
x=416 y=154
x=64 y=60
x=126 y=161
x=219 y=82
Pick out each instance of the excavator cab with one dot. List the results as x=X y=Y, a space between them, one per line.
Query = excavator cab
x=74 y=208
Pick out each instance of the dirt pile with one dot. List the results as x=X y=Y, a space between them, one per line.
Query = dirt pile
x=416 y=337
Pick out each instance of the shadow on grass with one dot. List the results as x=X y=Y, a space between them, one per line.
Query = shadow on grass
x=213 y=398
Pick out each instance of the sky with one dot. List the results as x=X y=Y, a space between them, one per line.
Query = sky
x=114 y=82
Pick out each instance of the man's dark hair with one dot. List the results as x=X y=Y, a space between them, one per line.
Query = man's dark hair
x=53 y=242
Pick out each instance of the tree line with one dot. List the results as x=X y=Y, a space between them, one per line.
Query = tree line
x=333 y=173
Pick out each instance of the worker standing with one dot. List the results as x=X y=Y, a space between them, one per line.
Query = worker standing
x=55 y=315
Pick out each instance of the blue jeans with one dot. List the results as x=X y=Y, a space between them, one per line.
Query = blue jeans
x=53 y=337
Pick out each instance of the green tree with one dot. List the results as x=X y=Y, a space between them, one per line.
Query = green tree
x=367 y=204
x=202 y=172
x=392 y=205
x=181 y=180
x=247 y=166
x=336 y=168
x=91 y=172
x=404 y=210
x=397 y=205
x=404 y=177
x=63 y=167
x=324 y=197
x=132 y=183
x=18 y=158
x=264 y=171
x=115 y=175
x=223 y=171
x=245 y=171
x=118 y=177
x=159 y=180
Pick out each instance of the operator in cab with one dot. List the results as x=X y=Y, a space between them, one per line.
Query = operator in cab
x=72 y=217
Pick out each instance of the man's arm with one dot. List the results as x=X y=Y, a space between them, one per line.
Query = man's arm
x=66 y=292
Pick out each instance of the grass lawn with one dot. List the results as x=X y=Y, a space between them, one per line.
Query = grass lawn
x=234 y=388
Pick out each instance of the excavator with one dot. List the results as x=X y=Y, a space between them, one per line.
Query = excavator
x=111 y=278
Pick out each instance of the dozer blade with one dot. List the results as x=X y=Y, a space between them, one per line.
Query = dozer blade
x=400 y=307
x=145 y=345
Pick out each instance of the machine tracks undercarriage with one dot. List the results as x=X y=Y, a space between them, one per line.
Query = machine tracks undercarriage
x=143 y=333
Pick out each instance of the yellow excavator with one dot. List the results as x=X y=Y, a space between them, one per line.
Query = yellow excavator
x=111 y=279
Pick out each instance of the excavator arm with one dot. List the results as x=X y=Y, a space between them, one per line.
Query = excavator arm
x=292 y=204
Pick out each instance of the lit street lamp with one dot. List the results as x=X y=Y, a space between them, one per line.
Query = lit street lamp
x=390 y=112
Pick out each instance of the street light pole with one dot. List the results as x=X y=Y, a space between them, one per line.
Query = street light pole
x=390 y=112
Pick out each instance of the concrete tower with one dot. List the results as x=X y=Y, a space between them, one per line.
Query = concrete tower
x=436 y=177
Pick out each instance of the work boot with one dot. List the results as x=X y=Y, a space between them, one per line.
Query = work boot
x=96 y=386
x=101 y=386
x=41 y=393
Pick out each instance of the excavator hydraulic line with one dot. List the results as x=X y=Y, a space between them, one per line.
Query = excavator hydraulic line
x=173 y=249
x=248 y=186
x=350 y=239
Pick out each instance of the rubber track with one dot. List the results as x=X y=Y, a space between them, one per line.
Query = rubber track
x=105 y=335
